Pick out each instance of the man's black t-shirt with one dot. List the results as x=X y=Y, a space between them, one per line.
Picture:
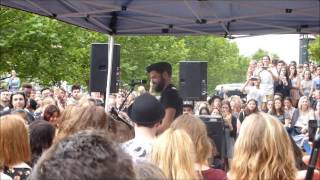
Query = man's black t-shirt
x=170 y=98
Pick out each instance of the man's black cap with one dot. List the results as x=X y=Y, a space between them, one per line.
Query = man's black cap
x=160 y=67
x=146 y=109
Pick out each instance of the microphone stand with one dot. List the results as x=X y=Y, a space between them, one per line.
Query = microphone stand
x=116 y=113
x=122 y=104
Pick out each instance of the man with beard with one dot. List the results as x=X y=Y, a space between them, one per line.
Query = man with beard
x=160 y=77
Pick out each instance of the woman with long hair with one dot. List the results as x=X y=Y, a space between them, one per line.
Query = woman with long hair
x=251 y=107
x=78 y=118
x=306 y=83
x=288 y=108
x=300 y=120
x=204 y=148
x=283 y=83
x=262 y=151
x=51 y=114
x=303 y=114
x=235 y=104
x=230 y=129
x=17 y=105
x=270 y=106
x=279 y=112
x=18 y=100
x=173 y=152
x=14 y=147
x=295 y=82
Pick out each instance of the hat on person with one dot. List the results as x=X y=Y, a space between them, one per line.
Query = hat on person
x=160 y=67
x=146 y=109
x=213 y=98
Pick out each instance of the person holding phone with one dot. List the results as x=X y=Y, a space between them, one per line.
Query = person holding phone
x=253 y=91
x=283 y=83
x=267 y=79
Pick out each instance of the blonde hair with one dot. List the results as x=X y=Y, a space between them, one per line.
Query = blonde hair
x=86 y=100
x=301 y=101
x=263 y=150
x=14 y=141
x=173 y=152
x=197 y=130
x=48 y=101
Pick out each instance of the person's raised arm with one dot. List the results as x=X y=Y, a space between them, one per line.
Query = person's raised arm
x=245 y=85
x=274 y=77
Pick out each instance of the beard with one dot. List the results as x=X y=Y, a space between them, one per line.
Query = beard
x=159 y=87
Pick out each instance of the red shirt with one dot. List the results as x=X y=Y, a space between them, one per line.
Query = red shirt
x=214 y=174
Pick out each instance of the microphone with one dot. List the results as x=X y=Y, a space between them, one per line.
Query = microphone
x=138 y=81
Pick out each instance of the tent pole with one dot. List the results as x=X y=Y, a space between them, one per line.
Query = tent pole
x=110 y=57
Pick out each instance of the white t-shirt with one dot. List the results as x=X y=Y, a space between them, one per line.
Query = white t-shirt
x=304 y=118
x=266 y=84
x=254 y=93
x=138 y=148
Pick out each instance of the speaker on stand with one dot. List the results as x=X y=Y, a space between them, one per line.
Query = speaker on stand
x=193 y=80
x=99 y=68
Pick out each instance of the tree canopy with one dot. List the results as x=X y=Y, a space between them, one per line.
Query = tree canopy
x=314 y=50
x=47 y=51
x=258 y=55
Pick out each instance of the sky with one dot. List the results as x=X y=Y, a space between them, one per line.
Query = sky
x=285 y=46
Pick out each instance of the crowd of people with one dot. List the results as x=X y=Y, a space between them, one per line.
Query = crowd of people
x=154 y=134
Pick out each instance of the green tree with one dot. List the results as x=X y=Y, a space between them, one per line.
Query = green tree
x=258 y=55
x=225 y=65
x=314 y=50
x=138 y=52
x=48 y=51
x=44 y=50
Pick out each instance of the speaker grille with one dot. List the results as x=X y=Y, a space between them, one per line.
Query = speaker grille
x=193 y=80
x=99 y=68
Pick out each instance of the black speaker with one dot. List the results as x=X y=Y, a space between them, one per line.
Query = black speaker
x=193 y=80
x=215 y=128
x=99 y=68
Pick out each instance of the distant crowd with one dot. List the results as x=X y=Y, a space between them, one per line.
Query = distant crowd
x=51 y=133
